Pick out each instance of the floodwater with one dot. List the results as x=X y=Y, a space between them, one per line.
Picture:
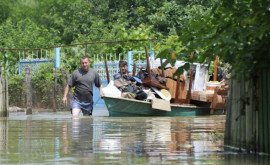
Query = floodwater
x=56 y=138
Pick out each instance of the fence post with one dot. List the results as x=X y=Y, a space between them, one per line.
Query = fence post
x=130 y=61
x=28 y=91
x=3 y=95
x=57 y=58
x=6 y=97
x=54 y=90
x=64 y=82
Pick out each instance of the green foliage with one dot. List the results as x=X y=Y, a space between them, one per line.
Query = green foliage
x=22 y=34
x=26 y=34
x=43 y=82
x=71 y=58
x=43 y=73
x=16 y=89
x=236 y=31
x=33 y=23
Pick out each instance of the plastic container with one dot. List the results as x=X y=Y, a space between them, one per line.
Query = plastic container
x=211 y=85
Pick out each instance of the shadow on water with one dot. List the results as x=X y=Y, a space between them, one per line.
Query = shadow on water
x=56 y=138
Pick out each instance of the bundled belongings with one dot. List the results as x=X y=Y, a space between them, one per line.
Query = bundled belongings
x=148 y=79
x=152 y=80
x=111 y=90
x=129 y=84
x=168 y=72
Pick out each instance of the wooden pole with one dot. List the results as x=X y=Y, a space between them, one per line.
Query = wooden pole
x=162 y=73
x=1 y=94
x=121 y=73
x=190 y=80
x=216 y=68
x=134 y=69
x=190 y=85
x=148 y=64
x=107 y=72
x=6 y=97
x=149 y=81
x=28 y=91
x=176 y=100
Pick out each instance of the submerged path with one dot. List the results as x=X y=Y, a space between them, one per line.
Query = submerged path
x=56 y=138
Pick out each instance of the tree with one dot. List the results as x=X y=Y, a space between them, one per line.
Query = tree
x=236 y=31
x=24 y=34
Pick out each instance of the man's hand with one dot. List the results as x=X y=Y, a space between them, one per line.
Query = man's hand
x=65 y=95
x=100 y=91
x=64 y=100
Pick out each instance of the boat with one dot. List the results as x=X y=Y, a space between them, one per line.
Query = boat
x=119 y=107
x=124 y=107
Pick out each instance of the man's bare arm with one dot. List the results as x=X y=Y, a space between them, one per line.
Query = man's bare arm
x=100 y=91
x=65 y=95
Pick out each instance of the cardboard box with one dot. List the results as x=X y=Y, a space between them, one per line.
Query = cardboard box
x=157 y=71
x=206 y=96
x=169 y=72
x=195 y=95
x=172 y=84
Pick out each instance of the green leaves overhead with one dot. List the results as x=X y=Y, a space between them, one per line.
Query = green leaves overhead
x=165 y=54
x=236 y=31
x=181 y=69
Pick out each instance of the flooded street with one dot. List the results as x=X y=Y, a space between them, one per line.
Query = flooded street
x=56 y=138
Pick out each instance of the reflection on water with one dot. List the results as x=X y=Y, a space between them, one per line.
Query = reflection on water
x=3 y=135
x=56 y=138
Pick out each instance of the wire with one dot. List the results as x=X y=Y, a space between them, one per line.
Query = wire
x=75 y=44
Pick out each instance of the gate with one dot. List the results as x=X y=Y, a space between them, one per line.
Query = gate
x=33 y=61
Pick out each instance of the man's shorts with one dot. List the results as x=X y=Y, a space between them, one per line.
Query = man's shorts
x=86 y=108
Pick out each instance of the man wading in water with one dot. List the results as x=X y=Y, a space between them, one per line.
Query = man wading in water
x=83 y=79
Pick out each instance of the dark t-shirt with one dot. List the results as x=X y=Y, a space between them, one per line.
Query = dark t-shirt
x=83 y=82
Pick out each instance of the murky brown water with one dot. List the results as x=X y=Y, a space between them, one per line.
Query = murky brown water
x=56 y=138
